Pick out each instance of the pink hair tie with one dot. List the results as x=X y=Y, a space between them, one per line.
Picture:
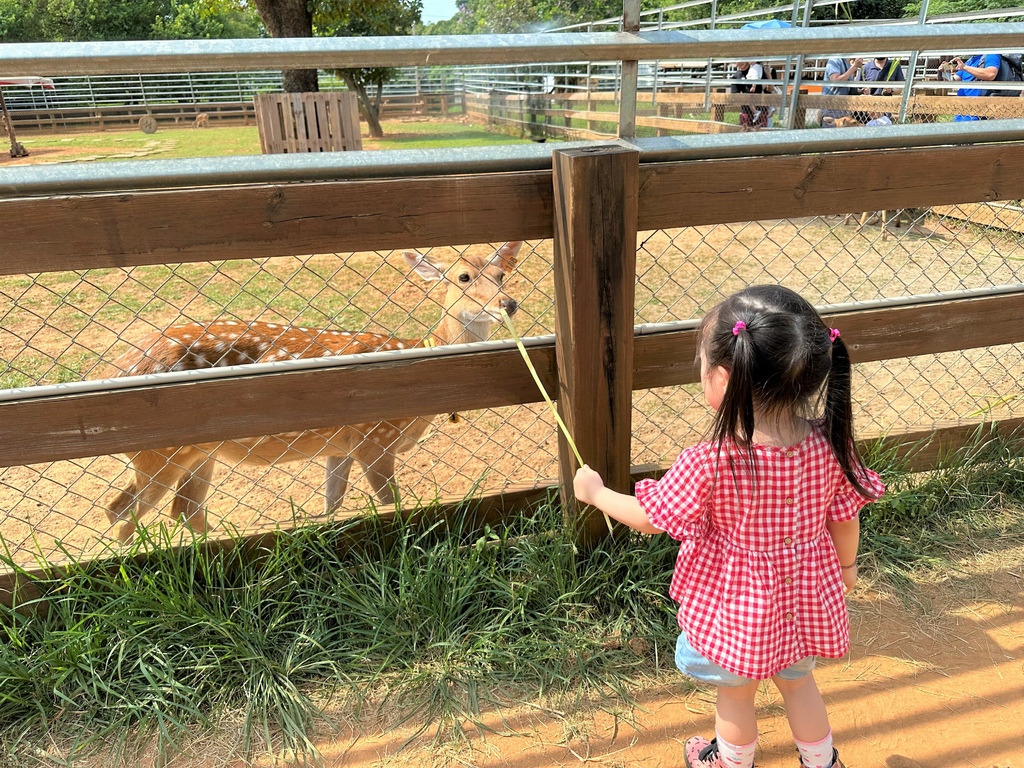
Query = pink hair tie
x=833 y=334
x=740 y=326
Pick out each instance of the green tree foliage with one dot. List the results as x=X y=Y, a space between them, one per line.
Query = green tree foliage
x=19 y=21
x=78 y=20
x=360 y=19
x=207 y=20
x=939 y=7
x=510 y=16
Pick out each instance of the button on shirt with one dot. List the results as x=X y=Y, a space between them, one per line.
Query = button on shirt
x=757 y=579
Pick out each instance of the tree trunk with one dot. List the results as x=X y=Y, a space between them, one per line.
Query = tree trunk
x=290 y=18
x=370 y=111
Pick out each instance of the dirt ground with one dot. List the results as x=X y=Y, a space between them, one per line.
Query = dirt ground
x=934 y=684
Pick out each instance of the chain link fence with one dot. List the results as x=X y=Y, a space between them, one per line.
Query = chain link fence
x=859 y=257
x=64 y=327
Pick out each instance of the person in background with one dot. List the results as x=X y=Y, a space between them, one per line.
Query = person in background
x=839 y=70
x=980 y=67
x=752 y=118
x=881 y=69
x=766 y=513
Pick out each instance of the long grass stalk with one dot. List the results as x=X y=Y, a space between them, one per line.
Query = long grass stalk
x=551 y=404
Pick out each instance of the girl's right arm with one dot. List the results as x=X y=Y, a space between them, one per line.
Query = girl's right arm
x=590 y=489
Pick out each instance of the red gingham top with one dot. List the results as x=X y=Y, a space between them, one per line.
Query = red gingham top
x=757 y=579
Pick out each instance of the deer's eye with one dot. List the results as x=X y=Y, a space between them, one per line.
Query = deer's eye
x=464 y=277
x=501 y=278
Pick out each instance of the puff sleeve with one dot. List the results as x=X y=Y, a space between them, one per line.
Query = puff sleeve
x=677 y=503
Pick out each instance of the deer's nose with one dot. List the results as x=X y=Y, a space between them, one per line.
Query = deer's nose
x=509 y=305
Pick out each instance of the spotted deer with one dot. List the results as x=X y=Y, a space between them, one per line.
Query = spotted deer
x=473 y=302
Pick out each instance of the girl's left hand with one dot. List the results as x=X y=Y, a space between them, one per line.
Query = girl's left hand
x=586 y=484
x=850 y=577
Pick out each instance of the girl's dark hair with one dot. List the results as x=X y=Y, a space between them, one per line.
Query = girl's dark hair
x=781 y=357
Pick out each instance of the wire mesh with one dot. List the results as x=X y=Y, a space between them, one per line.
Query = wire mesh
x=61 y=327
x=858 y=257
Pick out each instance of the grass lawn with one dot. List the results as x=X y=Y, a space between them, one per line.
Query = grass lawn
x=238 y=140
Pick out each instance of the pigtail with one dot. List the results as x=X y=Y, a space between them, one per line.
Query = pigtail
x=838 y=422
x=736 y=414
x=734 y=420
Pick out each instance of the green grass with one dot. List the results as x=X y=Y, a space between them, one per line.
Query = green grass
x=244 y=140
x=436 y=135
x=437 y=620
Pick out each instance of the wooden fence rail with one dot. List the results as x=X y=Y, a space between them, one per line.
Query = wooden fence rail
x=557 y=114
x=59 y=119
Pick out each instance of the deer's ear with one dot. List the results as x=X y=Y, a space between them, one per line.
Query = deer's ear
x=505 y=257
x=423 y=266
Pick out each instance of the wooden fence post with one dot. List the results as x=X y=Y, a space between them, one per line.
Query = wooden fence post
x=596 y=194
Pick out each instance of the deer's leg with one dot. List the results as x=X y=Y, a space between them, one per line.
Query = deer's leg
x=337 y=471
x=378 y=465
x=191 y=493
x=381 y=475
x=156 y=473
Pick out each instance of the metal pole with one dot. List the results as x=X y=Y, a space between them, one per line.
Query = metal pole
x=783 y=110
x=798 y=74
x=630 y=69
x=707 y=84
x=911 y=68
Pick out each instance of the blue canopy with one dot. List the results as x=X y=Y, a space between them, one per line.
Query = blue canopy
x=767 y=24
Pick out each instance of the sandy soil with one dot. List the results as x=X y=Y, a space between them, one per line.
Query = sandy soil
x=935 y=684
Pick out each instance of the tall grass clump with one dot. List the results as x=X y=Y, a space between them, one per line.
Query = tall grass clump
x=974 y=496
x=437 y=619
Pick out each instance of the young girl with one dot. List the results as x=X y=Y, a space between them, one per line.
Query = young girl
x=766 y=511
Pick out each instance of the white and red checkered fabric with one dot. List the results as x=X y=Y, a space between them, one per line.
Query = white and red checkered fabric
x=757 y=579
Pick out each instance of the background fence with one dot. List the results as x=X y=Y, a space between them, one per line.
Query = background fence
x=93 y=261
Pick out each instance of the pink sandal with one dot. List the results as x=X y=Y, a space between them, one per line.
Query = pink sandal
x=698 y=752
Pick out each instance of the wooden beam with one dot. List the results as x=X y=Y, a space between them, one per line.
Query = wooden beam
x=702 y=192
x=248 y=406
x=986 y=215
x=136 y=228
x=131 y=229
x=668 y=359
x=595 y=274
x=72 y=426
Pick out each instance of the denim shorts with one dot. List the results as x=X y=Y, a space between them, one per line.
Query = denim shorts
x=696 y=666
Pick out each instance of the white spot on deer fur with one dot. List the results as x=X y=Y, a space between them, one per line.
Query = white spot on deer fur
x=230 y=322
x=400 y=345
x=271 y=325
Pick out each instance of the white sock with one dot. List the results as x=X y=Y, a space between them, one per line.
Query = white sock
x=816 y=754
x=732 y=756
